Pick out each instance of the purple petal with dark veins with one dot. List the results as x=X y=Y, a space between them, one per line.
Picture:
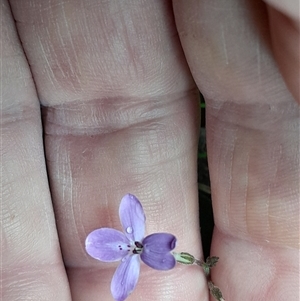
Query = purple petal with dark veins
x=156 y=251
x=132 y=217
x=125 y=277
x=107 y=244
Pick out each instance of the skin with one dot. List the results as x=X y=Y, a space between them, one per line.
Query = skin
x=100 y=99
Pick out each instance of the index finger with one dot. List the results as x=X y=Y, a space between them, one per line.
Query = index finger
x=120 y=115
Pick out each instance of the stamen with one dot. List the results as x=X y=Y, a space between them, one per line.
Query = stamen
x=138 y=244
x=138 y=249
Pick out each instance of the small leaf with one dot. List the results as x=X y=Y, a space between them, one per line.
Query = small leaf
x=215 y=291
x=212 y=261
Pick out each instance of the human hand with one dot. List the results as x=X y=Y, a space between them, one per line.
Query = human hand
x=120 y=114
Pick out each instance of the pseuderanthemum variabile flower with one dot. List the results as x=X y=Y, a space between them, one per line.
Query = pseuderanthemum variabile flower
x=108 y=245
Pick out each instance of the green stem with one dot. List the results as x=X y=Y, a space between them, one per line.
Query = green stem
x=188 y=259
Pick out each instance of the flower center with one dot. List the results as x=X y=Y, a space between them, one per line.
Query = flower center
x=138 y=248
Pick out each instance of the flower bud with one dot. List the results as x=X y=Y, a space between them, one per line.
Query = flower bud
x=184 y=258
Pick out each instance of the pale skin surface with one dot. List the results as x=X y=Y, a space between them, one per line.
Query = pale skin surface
x=119 y=113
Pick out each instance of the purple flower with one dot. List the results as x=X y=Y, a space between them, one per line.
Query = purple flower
x=107 y=244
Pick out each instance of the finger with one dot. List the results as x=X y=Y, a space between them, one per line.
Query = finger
x=121 y=116
x=253 y=147
x=31 y=266
x=285 y=34
x=289 y=8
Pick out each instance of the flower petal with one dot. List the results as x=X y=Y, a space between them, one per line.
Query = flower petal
x=159 y=261
x=132 y=217
x=125 y=277
x=160 y=242
x=156 y=251
x=107 y=244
